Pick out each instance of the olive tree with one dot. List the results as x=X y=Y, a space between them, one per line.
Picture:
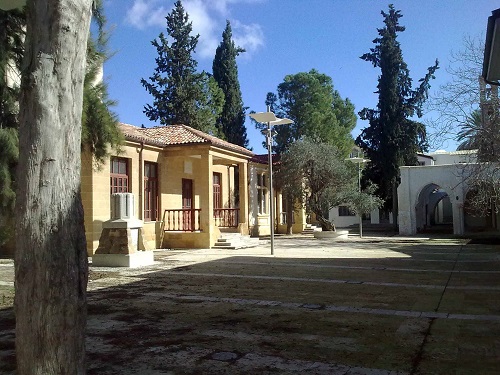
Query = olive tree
x=318 y=176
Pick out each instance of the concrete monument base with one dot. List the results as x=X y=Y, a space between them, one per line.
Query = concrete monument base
x=137 y=259
x=338 y=234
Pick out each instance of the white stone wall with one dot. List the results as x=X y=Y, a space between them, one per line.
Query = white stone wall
x=454 y=157
x=342 y=221
x=450 y=178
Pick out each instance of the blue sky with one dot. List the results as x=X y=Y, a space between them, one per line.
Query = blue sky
x=286 y=37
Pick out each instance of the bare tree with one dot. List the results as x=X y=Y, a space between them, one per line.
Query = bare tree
x=457 y=99
x=484 y=193
x=51 y=261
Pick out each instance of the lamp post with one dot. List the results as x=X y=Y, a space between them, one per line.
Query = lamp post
x=271 y=120
x=359 y=161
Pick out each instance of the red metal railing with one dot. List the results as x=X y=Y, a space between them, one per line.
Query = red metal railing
x=227 y=217
x=182 y=220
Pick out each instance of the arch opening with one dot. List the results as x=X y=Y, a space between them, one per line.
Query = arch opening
x=433 y=210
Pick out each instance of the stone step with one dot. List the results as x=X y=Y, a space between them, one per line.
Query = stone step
x=236 y=241
x=310 y=229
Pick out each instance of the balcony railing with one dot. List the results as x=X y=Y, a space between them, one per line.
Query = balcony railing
x=182 y=220
x=227 y=217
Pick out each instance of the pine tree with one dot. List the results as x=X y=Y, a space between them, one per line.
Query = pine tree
x=232 y=120
x=176 y=87
x=392 y=138
x=316 y=108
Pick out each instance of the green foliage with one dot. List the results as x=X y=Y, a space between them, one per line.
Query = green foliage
x=363 y=202
x=392 y=139
x=9 y=153
x=178 y=90
x=99 y=123
x=317 y=110
x=11 y=52
x=100 y=130
x=468 y=136
x=211 y=105
x=231 y=122
x=318 y=175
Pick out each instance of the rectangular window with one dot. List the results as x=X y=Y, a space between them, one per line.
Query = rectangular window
x=187 y=205
x=345 y=211
x=285 y=212
x=119 y=176
x=262 y=193
x=217 y=189
x=150 y=191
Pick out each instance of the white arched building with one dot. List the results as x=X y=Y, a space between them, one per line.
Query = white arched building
x=434 y=194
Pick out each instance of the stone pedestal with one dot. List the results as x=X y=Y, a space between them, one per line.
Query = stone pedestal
x=122 y=238
x=327 y=235
x=138 y=259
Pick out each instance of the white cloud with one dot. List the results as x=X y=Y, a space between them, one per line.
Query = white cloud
x=208 y=18
x=146 y=13
x=250 y=37
x=205 y=25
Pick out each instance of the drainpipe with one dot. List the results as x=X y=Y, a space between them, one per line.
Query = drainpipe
x=141 y=183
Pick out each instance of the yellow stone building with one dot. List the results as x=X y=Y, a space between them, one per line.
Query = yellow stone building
x=184 y=182
x=188 y=188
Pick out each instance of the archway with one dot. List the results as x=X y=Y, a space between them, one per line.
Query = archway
x=433 y=210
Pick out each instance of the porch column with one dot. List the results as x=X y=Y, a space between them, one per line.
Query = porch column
x=458 y=217
x=206 y=193
x=406 y=204
x=244 y=198
x=457 y=196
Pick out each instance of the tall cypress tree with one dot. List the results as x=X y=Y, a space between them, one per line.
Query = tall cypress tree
x=175 y=84
x=392 y=138
x=231 y=122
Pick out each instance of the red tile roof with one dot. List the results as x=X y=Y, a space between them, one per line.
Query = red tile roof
x=171 y=135
x=264 y=159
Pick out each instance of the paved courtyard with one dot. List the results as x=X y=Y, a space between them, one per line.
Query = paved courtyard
x=373 y=306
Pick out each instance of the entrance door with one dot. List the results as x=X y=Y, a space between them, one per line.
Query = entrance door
x=217 y=181
x=187 y=204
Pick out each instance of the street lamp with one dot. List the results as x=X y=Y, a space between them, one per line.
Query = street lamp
x=271 y=120
x=359 y=161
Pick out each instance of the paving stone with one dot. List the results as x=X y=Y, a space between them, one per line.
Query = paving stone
x=432 y=315
x=225 y=356
x=413 y=314
x=312 y=306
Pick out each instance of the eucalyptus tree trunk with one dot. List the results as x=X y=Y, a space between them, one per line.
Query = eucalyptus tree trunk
x=51 y=261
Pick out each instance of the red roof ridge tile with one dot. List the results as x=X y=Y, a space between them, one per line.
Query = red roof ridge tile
x=176 y=135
